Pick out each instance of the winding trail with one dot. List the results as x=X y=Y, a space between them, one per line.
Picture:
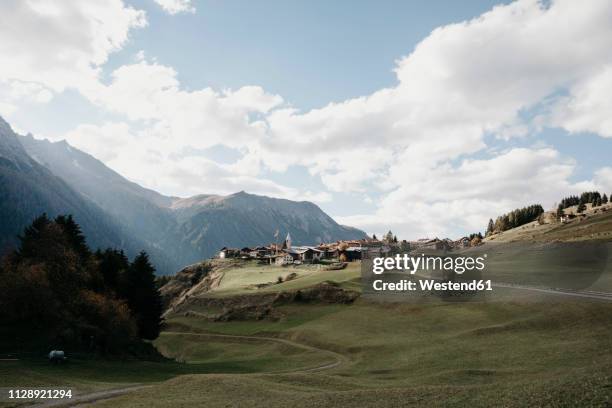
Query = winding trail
x=339 y=358
x=86 y=399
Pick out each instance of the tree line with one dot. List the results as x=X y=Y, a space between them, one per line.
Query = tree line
x=54 y=285
x=515 y=218
x=589 y=197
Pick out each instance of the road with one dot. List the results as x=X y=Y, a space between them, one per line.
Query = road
x=556 y=291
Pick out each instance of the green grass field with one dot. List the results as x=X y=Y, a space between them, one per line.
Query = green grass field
x=242 y=280
x=549 y=351
x=467 y=354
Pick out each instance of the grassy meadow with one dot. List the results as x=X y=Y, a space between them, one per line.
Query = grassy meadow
x=244 y=278
x=468 y=354
x=550 y=351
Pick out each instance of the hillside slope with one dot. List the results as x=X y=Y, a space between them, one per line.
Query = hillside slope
x=143 y=212
x=594 y=224
x=28 y=189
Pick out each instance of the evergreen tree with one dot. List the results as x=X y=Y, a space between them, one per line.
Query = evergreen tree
x=143 y=298
x=604 y=199
x=75 y=236
x=518 y=217
x=490 y=227
x=374 y=237
x=32 y=234
x=113 y=264
x=581 y=208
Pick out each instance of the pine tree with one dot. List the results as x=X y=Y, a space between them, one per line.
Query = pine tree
x=143 y=298
x=490 y=227
x=581 y=208
x=604 y=199
x=29 y=245
x=374 y=237
x=75 y=236
x=113 y=264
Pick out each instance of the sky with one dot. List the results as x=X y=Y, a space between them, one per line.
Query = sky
x=426 y=118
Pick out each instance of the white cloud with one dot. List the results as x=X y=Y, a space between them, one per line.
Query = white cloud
x=61 y=44
x=413 y=144
x=15 y=94
x=588 y=107
x=462 y=82
x=105 y=142
x=602 y=180
x=176 y=6
x=178 y=118
x=450 y=200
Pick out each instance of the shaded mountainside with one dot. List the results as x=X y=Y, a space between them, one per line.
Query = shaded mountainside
x=54 y=177
x=143 y=212
x=28 y=189
x=241 y=219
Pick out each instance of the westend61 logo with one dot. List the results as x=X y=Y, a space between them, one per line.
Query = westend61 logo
x=439 y=275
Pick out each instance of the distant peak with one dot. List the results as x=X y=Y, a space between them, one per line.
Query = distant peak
x=4 y=125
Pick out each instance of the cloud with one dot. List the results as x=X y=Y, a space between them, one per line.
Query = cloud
x=452 y=200
x=460 y=84
x=15 y=94
x=433 y=147
x=151 y=92
x=137 y=154
x=62 y=44
x=588 y=106
x=176 y=6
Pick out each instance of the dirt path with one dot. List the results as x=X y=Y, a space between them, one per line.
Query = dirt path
x=86 y=399
x=339 y=358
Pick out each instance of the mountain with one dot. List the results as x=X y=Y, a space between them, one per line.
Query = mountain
x=175 y=231
x=143 y=212
x=210 y=222
x=27 y=189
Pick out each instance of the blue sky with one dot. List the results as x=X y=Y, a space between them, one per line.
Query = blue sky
x=310 y=52
x=422 y=117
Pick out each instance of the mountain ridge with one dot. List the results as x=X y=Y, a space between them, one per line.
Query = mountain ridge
x=181 y=231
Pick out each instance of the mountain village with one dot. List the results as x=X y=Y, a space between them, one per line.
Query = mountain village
x=339 y=251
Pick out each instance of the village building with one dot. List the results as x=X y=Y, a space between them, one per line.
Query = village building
x=226 y=252
x=304 y=254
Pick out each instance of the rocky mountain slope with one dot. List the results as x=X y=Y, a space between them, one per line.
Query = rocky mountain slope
x=27 y=189
x=241 y=219
x=176 y=232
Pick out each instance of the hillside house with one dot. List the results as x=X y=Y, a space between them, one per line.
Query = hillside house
x=304 y=254
x=281 y=259
x=226 y=252
x=260 y=252
x=328 y=251
x=351 y=254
